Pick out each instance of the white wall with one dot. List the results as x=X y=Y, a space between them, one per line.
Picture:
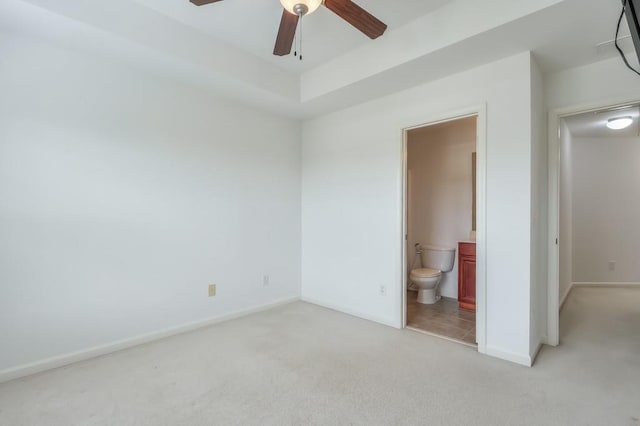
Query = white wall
x=606 y=208
x=599 y=84
x=439 y=159
x=352 y=199
x=539 y=207
x=566 y=211
x=123 y=195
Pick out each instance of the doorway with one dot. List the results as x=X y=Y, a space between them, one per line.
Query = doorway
x=443 y=238
x=592 y=203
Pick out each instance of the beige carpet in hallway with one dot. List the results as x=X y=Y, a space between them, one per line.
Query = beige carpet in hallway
x=305 y=365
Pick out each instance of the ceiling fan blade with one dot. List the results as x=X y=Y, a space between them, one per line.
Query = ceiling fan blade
x=371 y=26
x=202 y=2
x=286 y=33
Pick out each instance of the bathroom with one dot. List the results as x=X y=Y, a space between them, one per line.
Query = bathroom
x=440 y=206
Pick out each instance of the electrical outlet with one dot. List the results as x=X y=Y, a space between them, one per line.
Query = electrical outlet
x=265 y=280
x=212 y=290
x=612 y=265
x=383 y=290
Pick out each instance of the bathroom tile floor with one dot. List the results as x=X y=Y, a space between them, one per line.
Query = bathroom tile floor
x=443 y=318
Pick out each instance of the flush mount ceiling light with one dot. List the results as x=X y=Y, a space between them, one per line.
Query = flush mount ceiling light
x=301 y=7
x=619 y=123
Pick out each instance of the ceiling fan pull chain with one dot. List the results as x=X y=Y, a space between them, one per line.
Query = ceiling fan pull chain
x=301 y=19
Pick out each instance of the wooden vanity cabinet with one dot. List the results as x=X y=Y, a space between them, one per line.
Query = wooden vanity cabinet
x=467 y=276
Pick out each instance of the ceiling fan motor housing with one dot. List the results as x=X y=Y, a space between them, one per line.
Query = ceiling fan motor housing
x=301 y=7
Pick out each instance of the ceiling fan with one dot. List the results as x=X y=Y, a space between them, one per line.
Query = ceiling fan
x=371 y=26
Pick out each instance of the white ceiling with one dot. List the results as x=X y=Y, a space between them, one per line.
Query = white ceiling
x=594 y=124
x=252 y=26
x=227 y=47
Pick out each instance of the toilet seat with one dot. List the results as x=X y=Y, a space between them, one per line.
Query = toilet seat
x=426 y=273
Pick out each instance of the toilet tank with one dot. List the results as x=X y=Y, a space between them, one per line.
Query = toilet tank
x=440 y=258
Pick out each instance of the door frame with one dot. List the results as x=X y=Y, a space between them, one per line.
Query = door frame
x=479 y=111
x=554 y=243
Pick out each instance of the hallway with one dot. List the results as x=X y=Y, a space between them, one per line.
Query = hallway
x=599 y=350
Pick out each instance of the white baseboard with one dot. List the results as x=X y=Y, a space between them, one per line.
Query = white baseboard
x=605 y=284
x=525 y=360
x=536 y=351
x=564 y=297
x=62 y=360
x=353 y=313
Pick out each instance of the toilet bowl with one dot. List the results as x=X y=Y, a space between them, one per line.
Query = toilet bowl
x=427 y=280
x=436 y=261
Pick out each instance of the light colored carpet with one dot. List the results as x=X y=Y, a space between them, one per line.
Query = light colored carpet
x=301 y=364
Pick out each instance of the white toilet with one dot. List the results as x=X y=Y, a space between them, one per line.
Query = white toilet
x=436 y=261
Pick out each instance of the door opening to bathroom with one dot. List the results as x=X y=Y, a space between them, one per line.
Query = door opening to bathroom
x=440 y=229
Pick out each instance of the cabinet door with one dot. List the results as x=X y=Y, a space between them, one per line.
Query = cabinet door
x=467 y=276
x=468 y=284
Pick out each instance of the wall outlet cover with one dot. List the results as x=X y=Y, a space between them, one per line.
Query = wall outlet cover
x=212 y=290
